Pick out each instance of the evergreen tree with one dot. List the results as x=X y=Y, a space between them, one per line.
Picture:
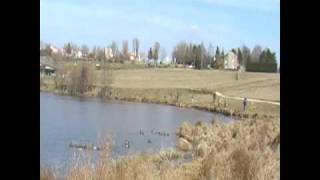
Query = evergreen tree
x=262 y=58
x=150 y=54
x=239 y=56
x=217 y=55
x=155 y=53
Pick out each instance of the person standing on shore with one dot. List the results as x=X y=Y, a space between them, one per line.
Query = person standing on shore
x=245 y=101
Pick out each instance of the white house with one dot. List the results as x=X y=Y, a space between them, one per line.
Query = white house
x=231 y=61
x=132 y=57
x=108 y=53
x=55 y=50
x=166 y=60
x=78 y=54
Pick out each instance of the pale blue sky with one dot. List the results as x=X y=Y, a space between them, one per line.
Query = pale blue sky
x=227 y=23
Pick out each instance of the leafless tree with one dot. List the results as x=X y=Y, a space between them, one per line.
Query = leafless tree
x=255 y=54
x=125 y=50
x=100 y=54
x=81 y=79
x=136 y=46
x=246 y=55
x=67 y=48
x=211 y=54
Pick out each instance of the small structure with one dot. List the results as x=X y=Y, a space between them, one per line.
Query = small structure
x=78 y=54
x=231 y=61
x=133 y=57
x=108 y=53
x=47 y=70
x=98 y=67
x=166 y=60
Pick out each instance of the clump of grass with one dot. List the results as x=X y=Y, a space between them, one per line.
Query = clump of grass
x=170 y=154
x=47 y=174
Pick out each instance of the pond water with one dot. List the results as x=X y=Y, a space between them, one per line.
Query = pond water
x=65 y=119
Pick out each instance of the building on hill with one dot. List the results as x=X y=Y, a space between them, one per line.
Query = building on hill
x=55 y=50
x=108 y=53
x=133 y=57
x=231 y=61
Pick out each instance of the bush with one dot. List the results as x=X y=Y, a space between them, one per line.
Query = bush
x=81 y=79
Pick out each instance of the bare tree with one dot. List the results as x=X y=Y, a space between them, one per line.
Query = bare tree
x=100 y=53
x=67 y=48
x=125 y=50
x=81 y=79
x=136 y=47
x=156 y=52
x=180 y=53
x=246 y=55
x=150 y=54
x=255 y=54
x=94 y=52
x=48 y=50
x=114 y=49
x=211 y=54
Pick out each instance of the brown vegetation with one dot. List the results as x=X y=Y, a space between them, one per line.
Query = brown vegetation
x=238 y=151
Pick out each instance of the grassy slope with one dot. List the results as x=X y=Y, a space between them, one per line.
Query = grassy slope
x=160 y=85
x=253 y=85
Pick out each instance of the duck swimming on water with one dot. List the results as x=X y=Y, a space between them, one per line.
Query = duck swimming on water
x=126 y=144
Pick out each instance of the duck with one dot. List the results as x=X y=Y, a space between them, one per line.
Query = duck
x=149 y=141
x=126 y=144
x=141 y=132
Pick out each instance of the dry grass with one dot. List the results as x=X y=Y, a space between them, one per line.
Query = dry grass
x=47 y=173
x=253 y=85
x=158 y=85
x=238 y=151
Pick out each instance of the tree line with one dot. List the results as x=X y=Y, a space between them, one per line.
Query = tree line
x=197 y=55
x=201 y=57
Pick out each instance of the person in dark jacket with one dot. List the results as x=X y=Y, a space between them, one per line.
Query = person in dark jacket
x=245 y=102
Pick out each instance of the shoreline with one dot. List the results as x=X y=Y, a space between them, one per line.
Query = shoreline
x=121 y=97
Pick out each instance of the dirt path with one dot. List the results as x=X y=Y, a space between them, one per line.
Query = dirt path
x=249 y=99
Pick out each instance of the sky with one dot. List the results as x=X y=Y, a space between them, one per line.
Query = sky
x=226 y=23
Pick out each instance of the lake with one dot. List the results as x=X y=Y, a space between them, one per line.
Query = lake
x=65 y=119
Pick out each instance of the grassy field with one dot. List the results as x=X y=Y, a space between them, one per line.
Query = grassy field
x=195 y=87
x=252 y=85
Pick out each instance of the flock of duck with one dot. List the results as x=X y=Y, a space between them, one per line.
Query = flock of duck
x=126 y=142
x=155 y=132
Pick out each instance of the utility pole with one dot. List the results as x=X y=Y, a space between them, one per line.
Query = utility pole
x=104 y=67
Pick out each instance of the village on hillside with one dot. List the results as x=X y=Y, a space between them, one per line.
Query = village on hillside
x=184 y=55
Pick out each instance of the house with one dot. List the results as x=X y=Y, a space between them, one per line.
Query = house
x=166 y=60
x=133 y=57
x=231 y=61
x=108 y=53
x=55 y=50
x=74 y=53
x=78 y=54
